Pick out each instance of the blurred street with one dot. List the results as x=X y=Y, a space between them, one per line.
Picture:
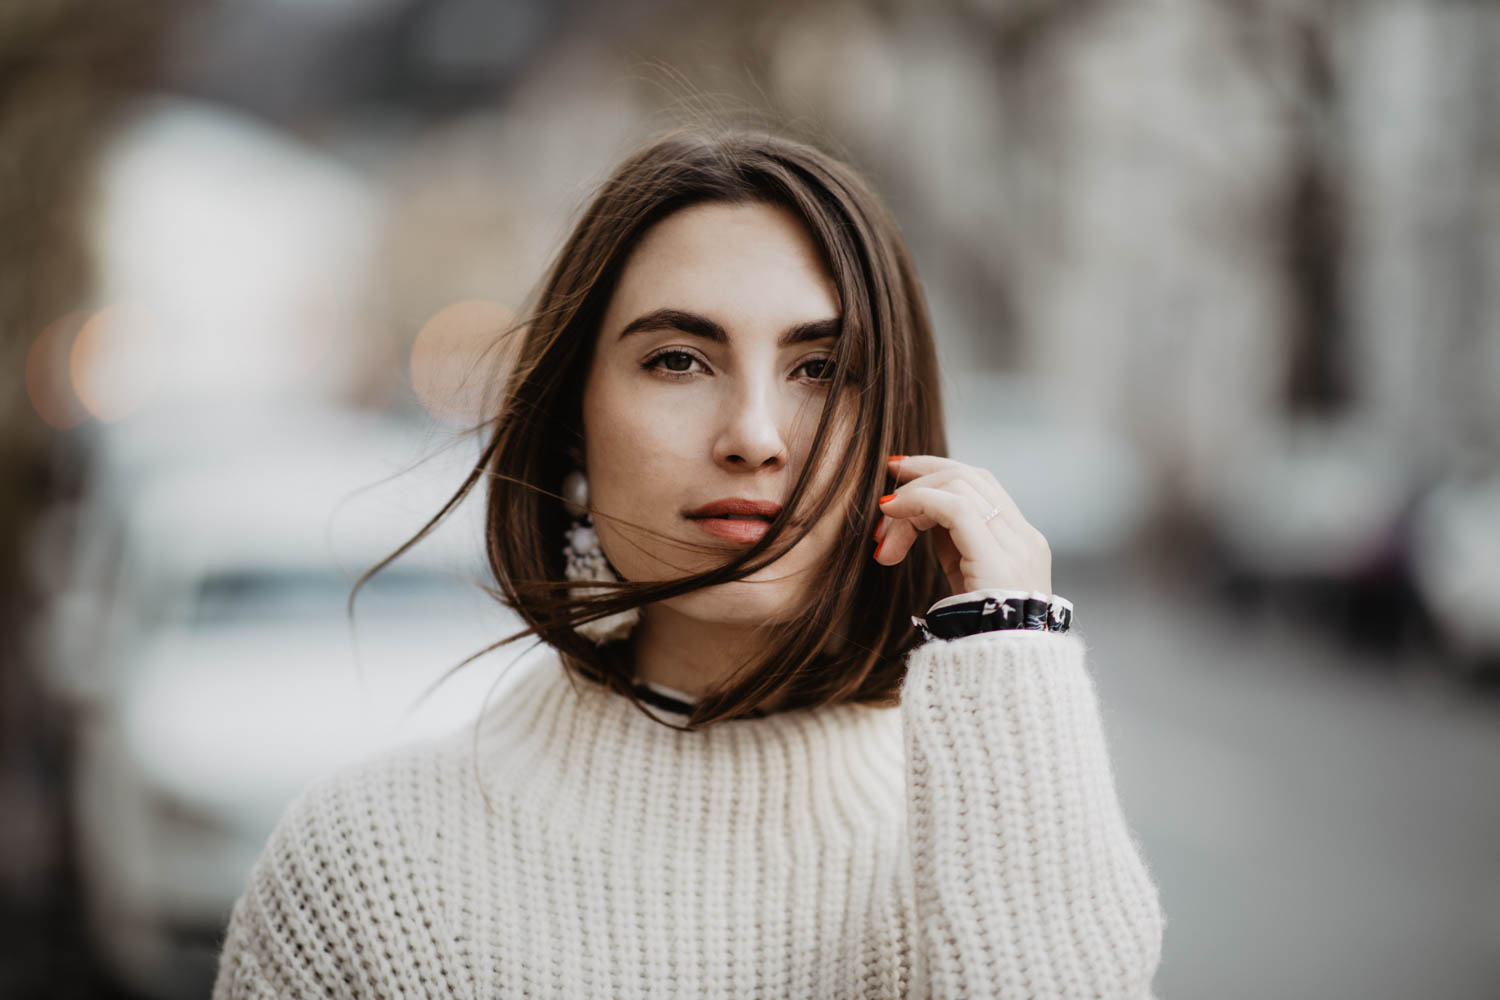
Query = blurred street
x=1213 y=290
x=1322 y=822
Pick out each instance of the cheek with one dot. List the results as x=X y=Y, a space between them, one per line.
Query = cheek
x=831 y=529
x=835 y=522
x=632 y=447
x=839 y=450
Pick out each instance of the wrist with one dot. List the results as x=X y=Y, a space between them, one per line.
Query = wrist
x=995 y=609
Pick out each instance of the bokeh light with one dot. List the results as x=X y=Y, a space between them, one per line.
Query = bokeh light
x=1212 y=291
x=457 y=355
x=115 y=363
x=48 y=383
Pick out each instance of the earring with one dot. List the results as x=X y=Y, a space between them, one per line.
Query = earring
x=586 y=562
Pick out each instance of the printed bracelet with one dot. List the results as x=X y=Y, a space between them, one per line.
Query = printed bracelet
x=994 y=610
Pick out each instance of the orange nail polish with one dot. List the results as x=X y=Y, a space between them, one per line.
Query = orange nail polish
x=887 y=497
x=895 y=458
x=877 y=548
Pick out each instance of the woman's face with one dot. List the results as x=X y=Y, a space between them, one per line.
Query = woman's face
x=706 y=385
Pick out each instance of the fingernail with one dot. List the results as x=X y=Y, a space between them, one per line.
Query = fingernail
x=878 y=547
x=895 y=458
x=887 y=497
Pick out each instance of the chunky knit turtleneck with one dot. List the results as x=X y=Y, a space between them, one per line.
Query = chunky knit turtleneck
x=966 y=843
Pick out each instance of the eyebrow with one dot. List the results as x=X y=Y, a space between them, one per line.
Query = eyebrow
x=702 y=326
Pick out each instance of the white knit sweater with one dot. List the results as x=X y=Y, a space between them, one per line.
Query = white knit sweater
x=967 y=843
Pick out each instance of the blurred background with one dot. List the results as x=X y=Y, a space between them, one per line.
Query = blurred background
x=1217 y=287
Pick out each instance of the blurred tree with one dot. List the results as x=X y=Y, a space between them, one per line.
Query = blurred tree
x=66 y=66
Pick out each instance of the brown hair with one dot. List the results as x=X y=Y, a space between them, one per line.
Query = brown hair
x=850 y=641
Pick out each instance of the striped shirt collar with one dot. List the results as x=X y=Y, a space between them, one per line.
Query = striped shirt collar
x=670 y=699
x=666 y=698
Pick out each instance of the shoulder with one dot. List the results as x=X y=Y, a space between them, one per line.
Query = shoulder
x=349 y=857
x=399 y=791
x=349 y=822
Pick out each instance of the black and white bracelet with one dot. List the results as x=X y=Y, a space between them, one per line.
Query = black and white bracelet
x=992 y=610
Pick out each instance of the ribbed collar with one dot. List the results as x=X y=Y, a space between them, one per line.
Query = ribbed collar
x=583 y=750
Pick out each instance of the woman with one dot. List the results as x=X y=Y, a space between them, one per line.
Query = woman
x=717 y=492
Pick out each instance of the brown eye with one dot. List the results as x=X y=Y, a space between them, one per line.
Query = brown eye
x=672 y=364
x=821 y=369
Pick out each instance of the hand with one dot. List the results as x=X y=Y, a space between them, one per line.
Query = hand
x=952 y=498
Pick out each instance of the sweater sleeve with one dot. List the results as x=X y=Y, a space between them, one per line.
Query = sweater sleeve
x=1028 y=882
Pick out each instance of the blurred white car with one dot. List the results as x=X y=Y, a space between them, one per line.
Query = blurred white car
x=1319 y=501
x=219 y=672
x=1455 y=556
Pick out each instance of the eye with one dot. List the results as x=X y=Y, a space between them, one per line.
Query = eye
x=674 y=364
x=822 y=368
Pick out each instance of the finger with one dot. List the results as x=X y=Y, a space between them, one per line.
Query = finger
x=923 y=507
x=897 y=536
x=998 y=525
x=981 y=484
x=907 y=467
x=998 y=528
x=898 y=541
x=989 y=492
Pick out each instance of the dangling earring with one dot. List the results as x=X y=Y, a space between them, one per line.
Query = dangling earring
x=586 y=562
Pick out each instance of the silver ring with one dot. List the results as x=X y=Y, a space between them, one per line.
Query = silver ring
x=991 y=514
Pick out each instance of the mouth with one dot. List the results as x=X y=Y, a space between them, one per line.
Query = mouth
x=733 y=517
x=736 y=519
x=744 y=528
x=736 y=508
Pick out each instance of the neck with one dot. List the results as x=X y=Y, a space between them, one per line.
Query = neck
x=689 y=655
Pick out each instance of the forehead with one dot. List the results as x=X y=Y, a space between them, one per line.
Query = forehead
x=751 y=264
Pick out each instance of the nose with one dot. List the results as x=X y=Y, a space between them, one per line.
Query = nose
x=750 y=435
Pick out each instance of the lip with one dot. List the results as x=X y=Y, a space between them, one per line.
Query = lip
x=735 y=531
x=736 y=505
x=708 y=518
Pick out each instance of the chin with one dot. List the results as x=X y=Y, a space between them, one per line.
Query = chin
x=737 y=603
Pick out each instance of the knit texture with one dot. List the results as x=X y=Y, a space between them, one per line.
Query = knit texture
x=967 y=843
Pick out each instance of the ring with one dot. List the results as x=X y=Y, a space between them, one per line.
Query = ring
x=986 y=518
